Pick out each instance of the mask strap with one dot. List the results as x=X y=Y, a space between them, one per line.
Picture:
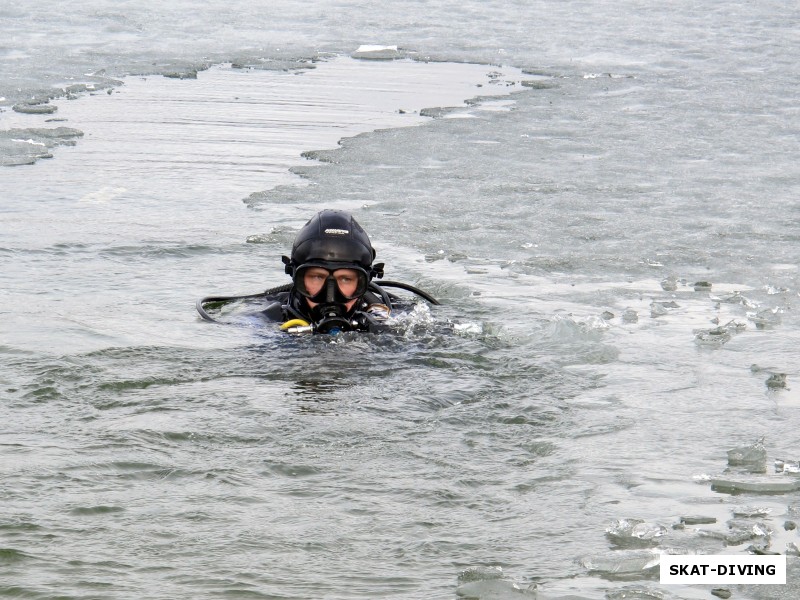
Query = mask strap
x=288 y=269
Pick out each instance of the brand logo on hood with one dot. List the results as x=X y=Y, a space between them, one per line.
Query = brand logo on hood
x=337 y=231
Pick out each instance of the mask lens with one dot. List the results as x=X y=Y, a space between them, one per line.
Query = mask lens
x=311 y=281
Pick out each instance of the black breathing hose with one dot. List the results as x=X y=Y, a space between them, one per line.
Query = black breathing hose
x=375 y=285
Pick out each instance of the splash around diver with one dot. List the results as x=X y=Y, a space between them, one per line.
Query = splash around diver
x=334 y=287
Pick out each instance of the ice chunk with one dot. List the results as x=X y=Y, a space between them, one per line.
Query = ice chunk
x=630 y=316
x=754 y=457
x=776 y=381
x=495 y=589
x=751 y=511
x=712 y=337
x=634 y=532
x=786 y=466
x=763 y=319
x=734 y=298
x=639 y=593
x=480 y=573
x=659 y=308
x=375 y=52
x=35 y=109
x=766 y=485
x=669 y=284
x=701 y=286
x=488 y=583
x=697 y=520
x=622 y=563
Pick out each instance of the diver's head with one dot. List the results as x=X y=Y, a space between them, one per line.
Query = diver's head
x=331 y=264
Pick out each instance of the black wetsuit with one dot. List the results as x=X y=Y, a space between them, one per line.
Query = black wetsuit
x=286 y=305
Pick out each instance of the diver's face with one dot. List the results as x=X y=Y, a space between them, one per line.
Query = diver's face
x=347 y=279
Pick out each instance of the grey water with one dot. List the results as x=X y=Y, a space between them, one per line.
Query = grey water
x=603 y=196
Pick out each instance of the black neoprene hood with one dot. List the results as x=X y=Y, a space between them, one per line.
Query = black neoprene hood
x=332 y=236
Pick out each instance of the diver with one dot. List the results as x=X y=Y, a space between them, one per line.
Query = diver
x=333 y=289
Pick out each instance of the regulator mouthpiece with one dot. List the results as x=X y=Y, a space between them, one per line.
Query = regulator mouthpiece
x=329 y=318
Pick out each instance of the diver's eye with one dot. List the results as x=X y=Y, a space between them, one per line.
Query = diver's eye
x=316 y=277
x=345 y=280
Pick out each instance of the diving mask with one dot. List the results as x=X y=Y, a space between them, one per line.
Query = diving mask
x=325 y=283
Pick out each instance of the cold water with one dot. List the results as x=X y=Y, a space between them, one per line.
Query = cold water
x=604 y=197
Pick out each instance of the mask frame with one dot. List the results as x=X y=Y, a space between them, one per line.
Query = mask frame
x=331 y=291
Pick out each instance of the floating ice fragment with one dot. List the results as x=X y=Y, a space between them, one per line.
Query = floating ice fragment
x=375 y=52
x=495 y=589
x=634 y=532
x=754 y=455
x=29 y=141
x=755 y=486
x=630 y=316
x=719 y=335
x=34 y=109
x=765 y=318
x=638 y=593
x=488 y=583
x=669 y=284
x=657 y=310
x=480 y=573
x=771 y=290
x=776 y=381
x=622 y=563
x=734 y=298
x=538 y=84
x=701 y=286
x=761 y=549
x=698 y=520
x=786 y=466
x=712 y=337
x=609 y=75
x=751 y=511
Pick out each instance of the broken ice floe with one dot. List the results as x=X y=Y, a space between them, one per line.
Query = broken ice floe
x=753 y=459
x=753 y=456
x=701 y=286
x=765 y=318
x=787 y=466
x=634 y=533
x=755 y=485
x=697 y=520
x=751 y=511
x=26 y=146
x=640 y=593
x=718 y=335
x=659 y=308
x=376 y=52
x=669 y=284
x=489 y=583
x=734 y=298
x=623 y=564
